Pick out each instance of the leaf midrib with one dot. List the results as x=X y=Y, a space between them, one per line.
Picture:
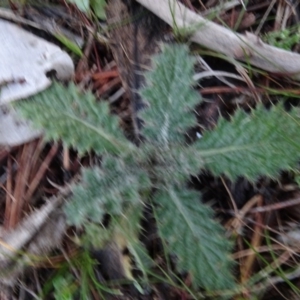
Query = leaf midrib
x=118 y=145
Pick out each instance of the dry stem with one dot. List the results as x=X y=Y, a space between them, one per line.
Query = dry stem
x=248 y=47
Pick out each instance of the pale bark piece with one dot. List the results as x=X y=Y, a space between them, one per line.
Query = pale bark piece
x=24 y=62
x=14 y=131
x=248 y=47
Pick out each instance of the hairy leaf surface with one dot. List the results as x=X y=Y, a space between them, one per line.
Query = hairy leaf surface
x=174 y=164
x=261 y=143
x=170 y=96
x=106 y=190
x=191 y=233
x=76 y=119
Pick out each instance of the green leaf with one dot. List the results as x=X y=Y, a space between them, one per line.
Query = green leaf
x=69 y=44
x=171 y=98
x=198 y=241
x=261 y=143
x=63 y=287
x=83 y=5
x=285 y=38
x=99 y=8
x=106 y=190
x=76 y=119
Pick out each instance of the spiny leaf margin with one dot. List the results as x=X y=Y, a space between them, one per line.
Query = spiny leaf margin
x=75 y=118
x=106 y=191
x=261 y=143
x=170 y=96
x=198 y=241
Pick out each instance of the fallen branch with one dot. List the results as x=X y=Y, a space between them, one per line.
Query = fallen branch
x=14 y=241
x=34 y=233
x=248 y=47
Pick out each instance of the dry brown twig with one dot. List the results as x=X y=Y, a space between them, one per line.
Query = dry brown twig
x=248 y=47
